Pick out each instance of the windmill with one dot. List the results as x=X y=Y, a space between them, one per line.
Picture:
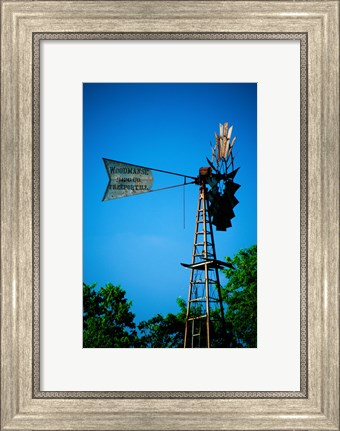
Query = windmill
x=205 y=324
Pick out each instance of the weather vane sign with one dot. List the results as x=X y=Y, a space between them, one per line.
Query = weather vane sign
x=126 y=179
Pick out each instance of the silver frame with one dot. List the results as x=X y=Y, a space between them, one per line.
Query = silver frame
x=316 y=25
x=302 y=38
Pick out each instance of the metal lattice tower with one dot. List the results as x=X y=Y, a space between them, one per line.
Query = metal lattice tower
x=205 y=304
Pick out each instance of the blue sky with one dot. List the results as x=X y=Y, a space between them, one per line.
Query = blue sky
x=138 y=242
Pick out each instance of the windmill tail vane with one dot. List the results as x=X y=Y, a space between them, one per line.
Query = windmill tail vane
x=126 y=179
x=216 y=202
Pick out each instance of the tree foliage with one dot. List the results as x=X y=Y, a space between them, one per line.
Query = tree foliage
x=165 y=331
x=109 y=322
x=107 y=319
x=240 y=294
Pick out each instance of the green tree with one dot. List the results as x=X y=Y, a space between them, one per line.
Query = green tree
x=160 y=331
x=107 y=319
x=240 y=294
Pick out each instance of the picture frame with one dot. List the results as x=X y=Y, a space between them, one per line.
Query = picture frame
x=316 y=406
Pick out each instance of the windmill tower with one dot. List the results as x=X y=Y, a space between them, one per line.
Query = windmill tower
x=205 y=324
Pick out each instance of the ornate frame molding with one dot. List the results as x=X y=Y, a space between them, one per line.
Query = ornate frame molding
x=24 y=23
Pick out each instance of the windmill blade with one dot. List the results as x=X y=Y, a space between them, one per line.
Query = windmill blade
x=228 y=145
x=232 y=174
x=230 y=131
x=213 y=183
x=230 y=190
x=216 y=148
x=230 y=151
x=221 y=205
x=222 y=138
x=226 y=148
x=232 y=202
x=211 y=165
x=225 y=140
x=232 y=160
x=212 y=152
x=222 y=215
x=225 y=132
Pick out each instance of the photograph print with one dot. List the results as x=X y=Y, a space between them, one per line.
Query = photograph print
x=169 y=215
